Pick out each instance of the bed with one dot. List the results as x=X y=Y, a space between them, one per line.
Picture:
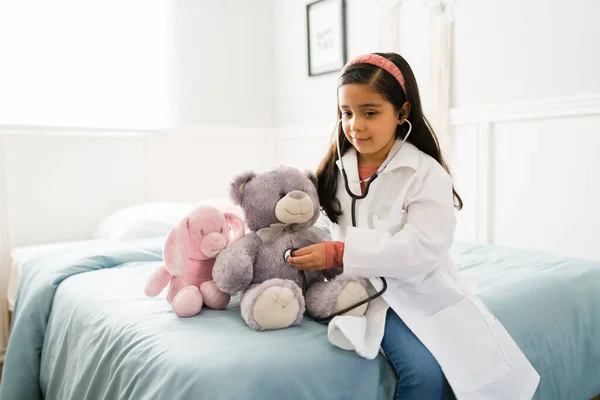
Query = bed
x=82 y=328
x=22 y=254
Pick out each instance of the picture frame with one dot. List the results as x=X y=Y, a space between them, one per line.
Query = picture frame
x=326 y=36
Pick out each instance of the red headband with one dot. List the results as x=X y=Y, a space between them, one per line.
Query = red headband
x=382 y=63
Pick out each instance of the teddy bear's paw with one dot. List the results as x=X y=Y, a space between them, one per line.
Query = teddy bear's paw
x=351 y=294
x=232 y=271
x=273 y=304
x=188 y=302
x=275 y=308
x=213 y=297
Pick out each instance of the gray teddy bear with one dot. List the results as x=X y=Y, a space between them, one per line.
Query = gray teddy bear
x=280 y=208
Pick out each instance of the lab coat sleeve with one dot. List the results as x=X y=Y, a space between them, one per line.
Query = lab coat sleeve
x=323 y=224
x=413 y=252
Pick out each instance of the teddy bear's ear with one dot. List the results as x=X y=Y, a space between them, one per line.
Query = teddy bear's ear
x=312 y=177
x=236 y=192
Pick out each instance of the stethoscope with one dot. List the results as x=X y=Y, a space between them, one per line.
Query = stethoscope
x=326 y=320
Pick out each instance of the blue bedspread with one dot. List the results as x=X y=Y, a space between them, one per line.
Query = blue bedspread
x=105 y=339
x=549 y=305
x=39 y=280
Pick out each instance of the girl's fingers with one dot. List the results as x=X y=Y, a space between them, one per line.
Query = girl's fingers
x=310 y=266
x=303 y=251
x=300 y=259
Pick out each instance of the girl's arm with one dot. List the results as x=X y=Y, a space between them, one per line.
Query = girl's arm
x=412 y=253
x=334 y=254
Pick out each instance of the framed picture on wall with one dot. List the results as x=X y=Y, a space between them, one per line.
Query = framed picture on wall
x=326 y=34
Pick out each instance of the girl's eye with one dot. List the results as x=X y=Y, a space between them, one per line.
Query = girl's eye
x=370 y=113
x=346 y=114
x=202 y=232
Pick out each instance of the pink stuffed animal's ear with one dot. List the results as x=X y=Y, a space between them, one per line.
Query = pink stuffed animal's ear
x=176 y=249
x=237 y=225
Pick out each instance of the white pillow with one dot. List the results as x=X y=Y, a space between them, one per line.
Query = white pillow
x=151 y=219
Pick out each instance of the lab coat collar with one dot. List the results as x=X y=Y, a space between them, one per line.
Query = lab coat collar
x=408 y=156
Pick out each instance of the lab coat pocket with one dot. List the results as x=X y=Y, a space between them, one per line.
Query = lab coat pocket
x=463 y=340
x=392 y=223
x=434 y=293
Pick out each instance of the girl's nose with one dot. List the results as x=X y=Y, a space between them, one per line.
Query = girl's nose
x=356 y=124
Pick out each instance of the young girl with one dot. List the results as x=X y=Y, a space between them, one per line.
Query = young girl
x=393 y=217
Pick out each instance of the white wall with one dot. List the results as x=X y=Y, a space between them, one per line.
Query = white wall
x=57 y=183
x=305 y=106
x=302 y=100
x=527 y=104
x=524 y=77
x=85 y=63
x=510 y=51
x=221 y=63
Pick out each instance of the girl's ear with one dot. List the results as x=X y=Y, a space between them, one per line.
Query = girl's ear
x=404 y=112
x=236 y=191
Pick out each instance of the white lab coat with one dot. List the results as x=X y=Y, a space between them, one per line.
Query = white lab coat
x=405 y=227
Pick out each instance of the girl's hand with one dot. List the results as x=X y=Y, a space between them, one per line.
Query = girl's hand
x=310 y=258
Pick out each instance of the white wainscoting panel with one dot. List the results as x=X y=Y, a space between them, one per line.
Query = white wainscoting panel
x=546 y=187
x=464 y=166
x=536 y=173
x=58 y=186
x=190 y=164
x=304 y=147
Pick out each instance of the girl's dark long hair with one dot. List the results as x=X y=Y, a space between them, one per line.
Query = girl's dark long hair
x=422 y=135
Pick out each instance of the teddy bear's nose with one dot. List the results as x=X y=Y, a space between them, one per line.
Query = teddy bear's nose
x=297 y=194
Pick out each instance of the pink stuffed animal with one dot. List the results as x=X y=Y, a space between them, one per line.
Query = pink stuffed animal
x=189 y=255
